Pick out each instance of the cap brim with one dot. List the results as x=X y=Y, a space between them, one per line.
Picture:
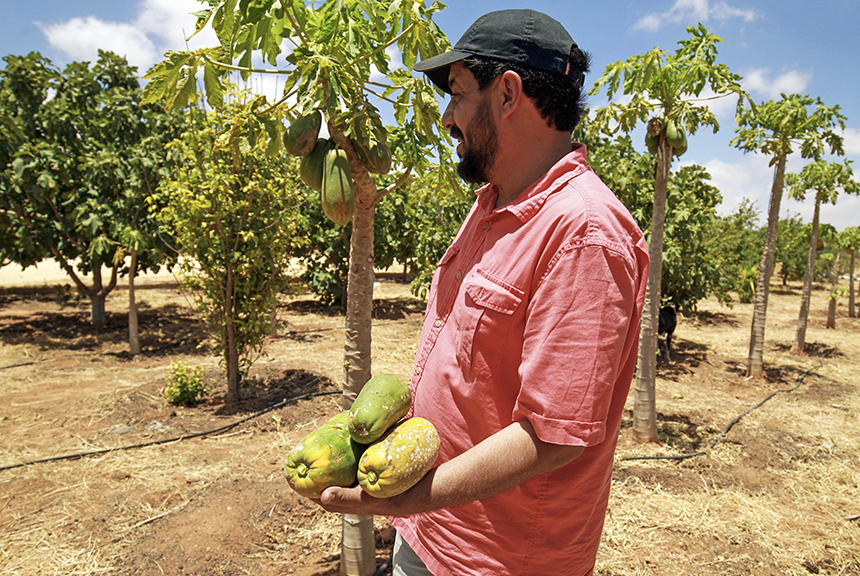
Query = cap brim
x=436 y=67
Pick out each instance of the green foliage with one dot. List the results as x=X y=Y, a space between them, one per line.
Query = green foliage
x=77 y=158
x=776 y=127
x=692 y=265
x=185 y=384
x=735 y=244
x=230 y=210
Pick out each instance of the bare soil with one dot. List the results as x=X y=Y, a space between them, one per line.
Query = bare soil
x=778 y=493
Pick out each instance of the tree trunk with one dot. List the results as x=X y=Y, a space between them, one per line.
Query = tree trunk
x=358 y=545
x=834 y=294
x=765 y=271
x=803 y=318
x=231 y=352
x=133 y=330
x=851 y=312
x=645 y=391
x=98 y=315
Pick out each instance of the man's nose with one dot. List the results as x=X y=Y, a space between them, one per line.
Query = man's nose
x=448 y=116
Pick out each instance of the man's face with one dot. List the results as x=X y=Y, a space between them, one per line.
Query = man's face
x=470 y=120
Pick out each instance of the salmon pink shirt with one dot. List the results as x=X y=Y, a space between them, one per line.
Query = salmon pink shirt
x=533 y=314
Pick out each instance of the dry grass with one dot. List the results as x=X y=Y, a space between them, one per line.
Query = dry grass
x=775 y=496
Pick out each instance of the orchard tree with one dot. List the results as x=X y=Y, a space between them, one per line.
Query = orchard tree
x=78 y=156
x=776 y=129
x=849 y=239
x=230 y=211
x=664 y=91
x=825 y=179
x=336 y=58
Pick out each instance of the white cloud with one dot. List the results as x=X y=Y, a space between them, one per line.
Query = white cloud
x=852 y=141
x=758 y=81
x=160 y=25
x=693 y=11
x=81 y=38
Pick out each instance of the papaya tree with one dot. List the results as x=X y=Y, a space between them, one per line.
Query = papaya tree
x=775 y=129
x=825 y=179
x=662 y=90
x=335 y=57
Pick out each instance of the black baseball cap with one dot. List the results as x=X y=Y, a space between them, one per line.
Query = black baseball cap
x=523 y=36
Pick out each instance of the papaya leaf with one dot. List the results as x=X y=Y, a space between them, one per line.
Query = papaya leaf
x=212 y=83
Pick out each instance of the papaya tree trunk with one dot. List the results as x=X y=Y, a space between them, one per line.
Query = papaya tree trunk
x=645 y=390
x=231 y=352
x=803 y=318
x=133 y=330
x=851 y=311
x=358 y=544
x=755 y=359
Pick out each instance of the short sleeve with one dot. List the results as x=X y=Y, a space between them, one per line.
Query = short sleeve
x=577 y=324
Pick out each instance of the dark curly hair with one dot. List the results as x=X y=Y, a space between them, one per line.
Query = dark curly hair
x=559 y=99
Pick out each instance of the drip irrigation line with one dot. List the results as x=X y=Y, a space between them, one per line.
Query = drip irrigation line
x=385 y=566
x=737 y=418
x=177 y=438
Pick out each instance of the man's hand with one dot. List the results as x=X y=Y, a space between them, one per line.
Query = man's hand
x=353 y=501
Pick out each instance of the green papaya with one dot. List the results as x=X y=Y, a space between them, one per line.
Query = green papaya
x=311 y=166
x=652 y=142
x=674 y=134
x=377 y=157
x=325 y=457
x=337 y=195
x=301 y=135
x=681 y=144
x=383 y=401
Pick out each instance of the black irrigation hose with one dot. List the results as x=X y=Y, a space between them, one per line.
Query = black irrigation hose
x=177 y=438
x=737 y=418
x=385 y=566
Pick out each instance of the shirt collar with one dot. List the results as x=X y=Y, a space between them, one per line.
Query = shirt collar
x=530 y=200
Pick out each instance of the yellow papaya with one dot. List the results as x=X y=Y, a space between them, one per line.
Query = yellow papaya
x=383 y=401
x=311 y=166
x=302 y=133
x=337 y=195
x=325 y=457
x=396 y=462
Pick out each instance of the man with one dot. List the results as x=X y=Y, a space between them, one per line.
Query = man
x=530 y=338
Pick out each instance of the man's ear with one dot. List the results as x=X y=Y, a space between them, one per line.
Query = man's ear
x=511 y=91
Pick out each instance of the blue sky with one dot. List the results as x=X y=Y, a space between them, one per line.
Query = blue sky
x=776 y=45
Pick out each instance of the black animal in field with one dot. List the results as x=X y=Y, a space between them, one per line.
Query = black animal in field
x=666 y=325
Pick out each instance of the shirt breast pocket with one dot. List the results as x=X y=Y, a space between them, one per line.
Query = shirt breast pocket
x=484 y=321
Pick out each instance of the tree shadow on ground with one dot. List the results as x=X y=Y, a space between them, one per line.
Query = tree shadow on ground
x=258 y=394
x=686 y=356
x=708 y=318
x=812 y=349
x=167 y=328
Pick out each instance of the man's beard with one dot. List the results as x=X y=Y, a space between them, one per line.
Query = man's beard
x=479 y=155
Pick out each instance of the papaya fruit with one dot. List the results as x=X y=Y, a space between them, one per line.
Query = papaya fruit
x=325 y=457
x=680 y=145
x=652 y=142
x=383 y=401
x=377 y=157
x=302 y=133
x=311 y=166
x=337 y=195
x=674 y=134
x=397 y=461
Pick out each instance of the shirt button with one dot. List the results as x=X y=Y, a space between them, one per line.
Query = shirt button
x=438 y=323
x=486 y=225
x=458 y=275
x=418 y=370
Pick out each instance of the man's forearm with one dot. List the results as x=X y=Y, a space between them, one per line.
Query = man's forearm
x=502 y=461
